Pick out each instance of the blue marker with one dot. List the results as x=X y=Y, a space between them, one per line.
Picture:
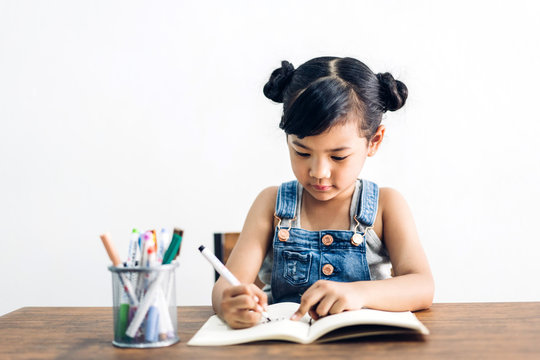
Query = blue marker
x=152 y=321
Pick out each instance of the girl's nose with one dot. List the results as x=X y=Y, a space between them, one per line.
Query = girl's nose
x=319 y=169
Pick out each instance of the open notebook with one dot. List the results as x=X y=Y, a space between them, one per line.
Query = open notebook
x=349 y=324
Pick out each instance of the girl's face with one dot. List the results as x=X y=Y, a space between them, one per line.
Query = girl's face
x=327 y=165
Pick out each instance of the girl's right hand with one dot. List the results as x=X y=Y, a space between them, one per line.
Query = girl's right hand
x=242 y=305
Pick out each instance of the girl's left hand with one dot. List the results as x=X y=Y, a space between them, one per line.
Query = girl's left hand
x=326 y=297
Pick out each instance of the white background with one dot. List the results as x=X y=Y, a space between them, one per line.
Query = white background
x=121 y=114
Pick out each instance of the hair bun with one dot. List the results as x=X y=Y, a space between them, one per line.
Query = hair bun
x=279 y=80
x=393 y=93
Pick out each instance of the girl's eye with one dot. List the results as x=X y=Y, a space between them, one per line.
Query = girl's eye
x=301 y=154
x=339 y=158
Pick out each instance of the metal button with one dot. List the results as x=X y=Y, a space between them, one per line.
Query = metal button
x=327 y=239
x=357 y=239
x=283 y=234
x=327 y=269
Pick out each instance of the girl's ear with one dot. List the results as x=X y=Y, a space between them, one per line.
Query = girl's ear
x=376 y=140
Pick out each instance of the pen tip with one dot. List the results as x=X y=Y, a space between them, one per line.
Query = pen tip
x=201 y=248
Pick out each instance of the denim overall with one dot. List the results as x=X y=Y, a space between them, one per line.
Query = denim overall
x=301 y=257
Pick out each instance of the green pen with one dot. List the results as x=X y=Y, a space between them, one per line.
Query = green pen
x=174 y=247
x=123 y=314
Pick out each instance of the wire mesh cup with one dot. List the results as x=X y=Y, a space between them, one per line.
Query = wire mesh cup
x=144 y=306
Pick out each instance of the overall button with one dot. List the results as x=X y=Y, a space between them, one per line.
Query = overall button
x=327 y=269
x=283 y=235
x=327 y=239
x=357 y=239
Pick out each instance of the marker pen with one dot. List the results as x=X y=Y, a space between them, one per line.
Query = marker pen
x=113 y=255
x=162 y=241
x=123 y=315
x=151 y=324
x=146 y=302
x=154 y=238
x=165 y=326
x=174 y=247
x=142 y=278
x=227 y=274
x=133 y=248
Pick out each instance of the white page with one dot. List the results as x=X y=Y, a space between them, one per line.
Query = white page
x=217 y=332
x=363 y=317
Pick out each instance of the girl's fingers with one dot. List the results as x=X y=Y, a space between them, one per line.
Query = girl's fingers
x=248 y=317
x=233 y=291
x=311 y=297
x=321 y=299
x=313 y=313
x=243 y=302
x=325 y=305
x=260 y=296
x=244 y=319
x=338 y=307
x=242 y=305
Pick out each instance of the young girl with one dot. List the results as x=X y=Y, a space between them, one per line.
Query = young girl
x=328 y=240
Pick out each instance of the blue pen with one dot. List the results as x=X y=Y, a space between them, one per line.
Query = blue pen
x=151 y=326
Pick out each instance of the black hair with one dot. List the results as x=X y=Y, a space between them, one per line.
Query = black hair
x=320 y=92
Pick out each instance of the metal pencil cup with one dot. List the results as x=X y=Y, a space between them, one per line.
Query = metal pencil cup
x=144 y=306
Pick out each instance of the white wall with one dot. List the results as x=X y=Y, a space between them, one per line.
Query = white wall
x=117 y=114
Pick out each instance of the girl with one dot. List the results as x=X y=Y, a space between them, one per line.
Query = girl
x=319 y=239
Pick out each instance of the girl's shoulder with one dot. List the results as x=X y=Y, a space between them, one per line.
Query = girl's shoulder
x=389 y=198
x=263 y=208
x=392 y=207
x=265 y=202
x=269 y=193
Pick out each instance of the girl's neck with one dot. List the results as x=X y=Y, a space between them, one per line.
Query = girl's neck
x=333 y=214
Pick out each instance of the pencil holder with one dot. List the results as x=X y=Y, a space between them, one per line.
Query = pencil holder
x=144 y=306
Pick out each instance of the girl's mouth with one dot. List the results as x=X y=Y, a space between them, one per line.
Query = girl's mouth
x=321 y=187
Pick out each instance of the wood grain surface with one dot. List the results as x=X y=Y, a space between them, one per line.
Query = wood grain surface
x=458 y=331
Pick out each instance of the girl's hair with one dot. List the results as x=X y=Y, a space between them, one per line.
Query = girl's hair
x=320 y=92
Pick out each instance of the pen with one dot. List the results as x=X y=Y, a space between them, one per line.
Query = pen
x=133 y=255
x=123 y=318
x=162 y=238
x=223 y=271
x=147 y=244
x=147 y=301
x=174 y=247
x=133 y=248
x=154 y=238
x=113 y=255
x=179 y=234
x=142 y=280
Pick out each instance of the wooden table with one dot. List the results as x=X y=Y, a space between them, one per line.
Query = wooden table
x=458 y=331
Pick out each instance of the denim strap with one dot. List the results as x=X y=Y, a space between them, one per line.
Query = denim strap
x=286 y=200
x=368 y=201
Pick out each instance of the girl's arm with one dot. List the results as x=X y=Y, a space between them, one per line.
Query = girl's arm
x=412 y=286
x=236 y=304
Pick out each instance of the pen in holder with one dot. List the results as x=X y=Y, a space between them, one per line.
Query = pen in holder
x=144 y=306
